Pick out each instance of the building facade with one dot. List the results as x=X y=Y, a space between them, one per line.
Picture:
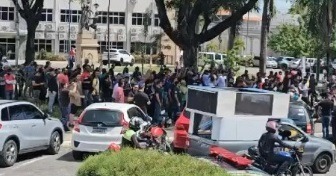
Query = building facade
x=60 y=22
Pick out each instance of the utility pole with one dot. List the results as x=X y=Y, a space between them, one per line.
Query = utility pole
x=17 y=38
x=108 y=34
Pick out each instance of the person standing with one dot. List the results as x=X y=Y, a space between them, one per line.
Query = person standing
x=38 y=86
x=64 y=102
x=9 y=84
x=158 y=102
x=75 y=99
x=52 y=90
x=141 y=99
x=303 y=89
x=312 y=92
x=326 y=109
x=86 y=86
x=95 y=87
x=118 y=94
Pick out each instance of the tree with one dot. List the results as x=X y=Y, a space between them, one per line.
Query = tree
x=268 y=13
x=30 y=11
x=292 y=40
x=188 y=14
x=319 y=17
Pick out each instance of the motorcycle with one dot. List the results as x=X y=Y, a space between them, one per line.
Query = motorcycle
x=295 y=168
x=155 y=137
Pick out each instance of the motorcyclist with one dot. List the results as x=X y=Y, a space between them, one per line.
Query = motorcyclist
x=130 y=137
x=267 y=143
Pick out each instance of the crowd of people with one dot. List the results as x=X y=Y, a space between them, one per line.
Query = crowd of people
x=154 y=92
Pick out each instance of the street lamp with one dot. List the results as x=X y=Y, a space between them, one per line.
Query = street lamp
x=108 y=34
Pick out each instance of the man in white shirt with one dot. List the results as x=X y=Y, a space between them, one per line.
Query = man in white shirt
x=221 y=81
x=304 y=91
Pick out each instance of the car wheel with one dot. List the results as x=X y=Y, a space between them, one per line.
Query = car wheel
x=322 y=163
x=9 y=154
x=77 y=155
x=284 y=66
x=55 y=143
x=104 y=62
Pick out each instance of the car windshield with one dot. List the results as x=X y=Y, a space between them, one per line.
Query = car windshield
x=297 y=114
x=107 y=118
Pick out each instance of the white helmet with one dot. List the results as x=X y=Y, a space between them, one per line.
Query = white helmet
x=271 y=126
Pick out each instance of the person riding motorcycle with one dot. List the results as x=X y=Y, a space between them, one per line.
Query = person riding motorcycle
x=267 y=143
x=130 y=137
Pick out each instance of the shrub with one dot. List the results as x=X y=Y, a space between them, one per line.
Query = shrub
x=131 y=162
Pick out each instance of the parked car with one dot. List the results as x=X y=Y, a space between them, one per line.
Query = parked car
x=283 y=61
x=24 y=128
x=310 y=62
x=271 y=63
x=302 y=114
x=99 y=125
x=294 y=63
x=118 y=56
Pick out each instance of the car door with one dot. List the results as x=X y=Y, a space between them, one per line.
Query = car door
x=200 y=138
x=21 y=126
x=40 y=134
x=295 y=139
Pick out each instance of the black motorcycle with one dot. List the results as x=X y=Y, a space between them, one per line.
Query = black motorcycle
x=295 y=168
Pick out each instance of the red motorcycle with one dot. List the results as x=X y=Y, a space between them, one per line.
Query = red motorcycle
x=151 y=137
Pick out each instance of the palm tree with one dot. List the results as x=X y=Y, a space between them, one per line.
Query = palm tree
x=268 y=13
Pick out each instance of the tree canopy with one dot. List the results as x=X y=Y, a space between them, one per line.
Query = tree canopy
x=185 y=34
x=292 y=40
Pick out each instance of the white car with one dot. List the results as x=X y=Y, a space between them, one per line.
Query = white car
x=24 y=128
x=99 y=125
x=295 y=63
x=271 y=63
x=118 y=56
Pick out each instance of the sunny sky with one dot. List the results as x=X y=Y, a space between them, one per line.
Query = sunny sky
x=281 y=5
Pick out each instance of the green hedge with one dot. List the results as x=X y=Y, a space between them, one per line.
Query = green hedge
x=131 y=162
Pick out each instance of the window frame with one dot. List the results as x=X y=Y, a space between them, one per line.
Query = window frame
x=64 y=45
x=32 y=106
x=8 y=44
x=143 y=116
x=47 y=15
x=42 y=44
x=7 y=13
x=72 y=16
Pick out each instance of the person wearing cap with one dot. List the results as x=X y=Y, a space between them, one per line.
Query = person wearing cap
x=9 y=84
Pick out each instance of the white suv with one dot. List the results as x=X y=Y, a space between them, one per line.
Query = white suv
x=25 y=128
x=118 y=56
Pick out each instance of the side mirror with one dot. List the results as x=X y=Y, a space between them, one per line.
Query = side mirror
x=305 y=139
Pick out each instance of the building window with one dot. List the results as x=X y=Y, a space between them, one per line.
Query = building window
x=7 y=13
x=74 y=16
x=43 y=44
x=104 y=45
x=140 y=19
x=7 y=47
x=115 y=17
x=47 y=15
x=156 y=20
x=64 y=45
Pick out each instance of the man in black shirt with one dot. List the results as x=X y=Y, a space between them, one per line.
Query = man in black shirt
x=158 y=101
x=141 y=99
x=327 y=106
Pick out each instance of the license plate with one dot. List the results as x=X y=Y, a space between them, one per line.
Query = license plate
x=99 y=130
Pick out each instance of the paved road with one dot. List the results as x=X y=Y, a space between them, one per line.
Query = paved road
x=63 y=163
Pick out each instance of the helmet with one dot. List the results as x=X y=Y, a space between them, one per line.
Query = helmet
x=271 y=126
x=135 y=123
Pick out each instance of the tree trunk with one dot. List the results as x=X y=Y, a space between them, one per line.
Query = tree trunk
x=232 y=36
x=263 y=38
x=190 y=57
x=30 y=45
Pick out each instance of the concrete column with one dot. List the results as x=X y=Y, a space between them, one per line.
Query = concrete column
x=128 y=24
x=56 y=21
